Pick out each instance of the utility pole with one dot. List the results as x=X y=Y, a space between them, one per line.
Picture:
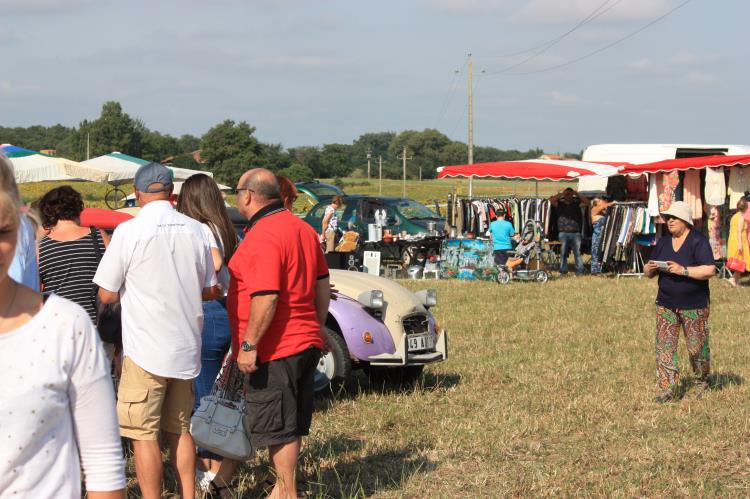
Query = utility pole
x=380 y=175
x=470 y=135
x=404 y=158
x=369 y=157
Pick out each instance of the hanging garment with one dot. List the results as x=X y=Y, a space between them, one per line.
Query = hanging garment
x=739 y=184
x=715 y=192
x=692 y=193
x=714 y=232
x=653 y=195
x=669 y=183
x=636 y=187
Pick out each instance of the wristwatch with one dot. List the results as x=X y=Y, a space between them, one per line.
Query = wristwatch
x=685 y=272
x=247 y=347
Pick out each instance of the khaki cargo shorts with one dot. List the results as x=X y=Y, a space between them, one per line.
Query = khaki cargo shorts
x=147 y=404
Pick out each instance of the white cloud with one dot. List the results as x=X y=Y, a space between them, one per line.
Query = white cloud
x=43 y=5
x=691 y=59
x=641 y=65
x=298 y=62
x=701 y=79
x=559 y=11
x=468 y=6
x=558 y=98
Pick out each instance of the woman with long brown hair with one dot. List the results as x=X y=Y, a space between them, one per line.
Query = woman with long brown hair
x=201 y=199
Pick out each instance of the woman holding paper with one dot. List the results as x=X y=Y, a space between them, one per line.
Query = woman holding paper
x=684 y=263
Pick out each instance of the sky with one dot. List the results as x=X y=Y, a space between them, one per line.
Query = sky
x=310 y=72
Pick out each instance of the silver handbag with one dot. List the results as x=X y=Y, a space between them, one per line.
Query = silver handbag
x=217 y=423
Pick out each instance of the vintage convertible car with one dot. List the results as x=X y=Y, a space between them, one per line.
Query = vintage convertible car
x=378 y=325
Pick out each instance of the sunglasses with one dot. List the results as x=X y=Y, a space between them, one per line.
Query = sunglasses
x=240 y=189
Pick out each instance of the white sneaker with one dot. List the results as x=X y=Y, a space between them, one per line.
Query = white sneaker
x=204 y=479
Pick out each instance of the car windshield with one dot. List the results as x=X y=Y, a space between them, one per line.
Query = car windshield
x=415 y=211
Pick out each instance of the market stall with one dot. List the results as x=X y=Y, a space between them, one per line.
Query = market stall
x=711 y=185
x=469 y=216
x=32 y=166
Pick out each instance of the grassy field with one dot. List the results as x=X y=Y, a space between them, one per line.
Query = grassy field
x=547 y=392
x=425 y=192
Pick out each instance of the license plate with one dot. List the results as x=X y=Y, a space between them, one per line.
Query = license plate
x=421 y=342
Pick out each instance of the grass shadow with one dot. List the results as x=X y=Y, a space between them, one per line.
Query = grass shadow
x=358 y=476
x=360 y=383
x=719 y=381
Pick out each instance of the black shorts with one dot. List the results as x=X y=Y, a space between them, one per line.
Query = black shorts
x=501 y=257
x=280 y=399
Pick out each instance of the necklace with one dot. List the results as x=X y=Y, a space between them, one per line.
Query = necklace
x=10 y=305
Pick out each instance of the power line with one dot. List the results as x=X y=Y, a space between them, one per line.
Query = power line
x=448 y=97
x=594 y=15
x=549 y=43
x=606 y=47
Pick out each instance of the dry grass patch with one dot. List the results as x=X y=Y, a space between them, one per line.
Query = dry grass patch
x=548 y=391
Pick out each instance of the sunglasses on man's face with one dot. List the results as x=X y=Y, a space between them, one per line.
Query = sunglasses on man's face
x=240 y=189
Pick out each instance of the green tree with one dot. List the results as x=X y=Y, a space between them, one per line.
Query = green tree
x=297 y=173
x=425 y=147
x=230 y=149
x=334 y=161
x=188 y=143
x=273 y=157
x=308 y=156
x=113 y=130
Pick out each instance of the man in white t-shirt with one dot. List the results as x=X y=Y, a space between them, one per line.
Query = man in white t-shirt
x=159 y=266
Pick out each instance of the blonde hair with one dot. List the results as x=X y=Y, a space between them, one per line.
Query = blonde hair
x=10 y=198
x=8 y=177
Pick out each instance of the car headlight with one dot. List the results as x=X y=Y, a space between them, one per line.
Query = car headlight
x=371 y=299
x=428 y=297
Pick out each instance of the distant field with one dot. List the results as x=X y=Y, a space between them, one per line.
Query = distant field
x=425 y=192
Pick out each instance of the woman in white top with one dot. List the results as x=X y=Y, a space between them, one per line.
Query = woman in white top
x=330 y=223
x=201 y=199
x=57 y=406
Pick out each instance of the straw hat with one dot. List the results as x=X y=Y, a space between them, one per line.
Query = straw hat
x=681 y=210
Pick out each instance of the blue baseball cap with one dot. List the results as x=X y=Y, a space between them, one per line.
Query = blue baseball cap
x=153 y=173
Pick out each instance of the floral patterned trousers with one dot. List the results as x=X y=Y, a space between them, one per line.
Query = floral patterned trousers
x=694 y=324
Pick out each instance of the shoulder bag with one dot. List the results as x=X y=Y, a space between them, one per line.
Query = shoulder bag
x=108 y=315
x=217 y=424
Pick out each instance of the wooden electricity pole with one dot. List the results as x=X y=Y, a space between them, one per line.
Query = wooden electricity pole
x=404 y=158
x=369 y=158
x=470 y=135
x=380 y=175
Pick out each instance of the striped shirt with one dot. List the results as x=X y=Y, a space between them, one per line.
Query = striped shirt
x=67 y=269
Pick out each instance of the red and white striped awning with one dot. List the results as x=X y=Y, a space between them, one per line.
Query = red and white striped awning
x=682 y=164
x=533 y=169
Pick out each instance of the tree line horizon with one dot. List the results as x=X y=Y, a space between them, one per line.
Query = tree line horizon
x=228 y=148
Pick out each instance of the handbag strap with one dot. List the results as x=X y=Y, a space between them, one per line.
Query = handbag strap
x=98 y=252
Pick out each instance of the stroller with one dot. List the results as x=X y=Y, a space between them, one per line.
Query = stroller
x=525 y=262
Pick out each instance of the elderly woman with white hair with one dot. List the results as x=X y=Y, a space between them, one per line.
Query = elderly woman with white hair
x=684 y=263
x=56 y=402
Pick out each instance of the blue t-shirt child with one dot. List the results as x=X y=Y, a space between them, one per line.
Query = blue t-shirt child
x=502 y=231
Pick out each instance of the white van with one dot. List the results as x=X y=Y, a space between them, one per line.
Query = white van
x=648 y=153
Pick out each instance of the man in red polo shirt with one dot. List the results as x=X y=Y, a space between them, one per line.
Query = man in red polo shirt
x=278 y=298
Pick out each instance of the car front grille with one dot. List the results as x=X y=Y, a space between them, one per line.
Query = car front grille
x=416 y=324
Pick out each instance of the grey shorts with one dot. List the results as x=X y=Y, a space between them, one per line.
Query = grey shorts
x=280 y=399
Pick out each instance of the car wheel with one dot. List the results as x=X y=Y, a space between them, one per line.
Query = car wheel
x=503 y=276
x=394 y=376
x=542 y=276
x=334 y=367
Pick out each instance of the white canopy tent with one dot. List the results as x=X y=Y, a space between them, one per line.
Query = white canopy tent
x=120 y=168
x=31 y=166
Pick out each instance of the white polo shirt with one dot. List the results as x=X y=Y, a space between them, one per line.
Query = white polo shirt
x=160 y=261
